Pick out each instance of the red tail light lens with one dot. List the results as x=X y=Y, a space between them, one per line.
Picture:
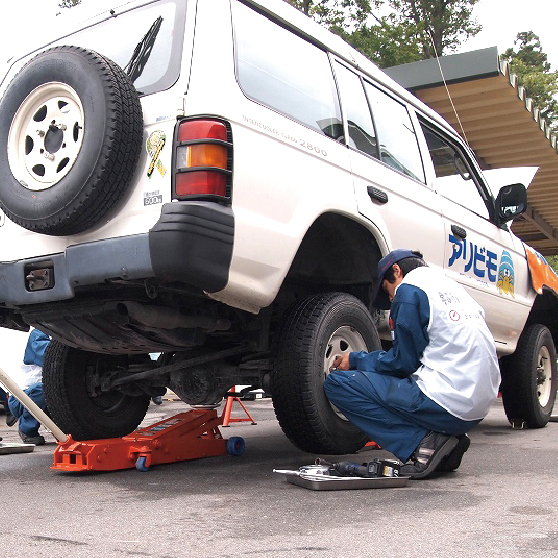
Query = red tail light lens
x=201 y=129
x=202 y=159
x=201 y=183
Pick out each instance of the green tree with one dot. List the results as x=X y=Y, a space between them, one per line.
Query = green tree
x=553 y=262
x=385 y=44
x=532 y=68
x=413 y=30
x=440 y=25
x=335 y=14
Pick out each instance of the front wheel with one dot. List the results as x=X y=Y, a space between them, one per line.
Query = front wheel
x=313 y=333
x=69 y=377
x=529 y=378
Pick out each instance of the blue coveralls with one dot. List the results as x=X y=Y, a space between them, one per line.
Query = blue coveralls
x=378 y=393
x=34 y=354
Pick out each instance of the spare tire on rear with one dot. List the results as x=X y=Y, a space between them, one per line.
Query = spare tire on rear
x=71 y=130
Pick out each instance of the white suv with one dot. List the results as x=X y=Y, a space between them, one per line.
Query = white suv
x=215 y=181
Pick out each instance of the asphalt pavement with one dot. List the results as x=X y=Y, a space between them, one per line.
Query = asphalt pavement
x=500 y=503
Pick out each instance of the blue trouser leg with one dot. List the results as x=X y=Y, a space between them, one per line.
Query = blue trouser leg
x=392 y=411
x=28 y=424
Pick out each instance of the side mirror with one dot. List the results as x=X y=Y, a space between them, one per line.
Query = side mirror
x=510 y=202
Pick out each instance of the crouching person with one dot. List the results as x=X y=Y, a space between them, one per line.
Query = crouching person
x=419 y=399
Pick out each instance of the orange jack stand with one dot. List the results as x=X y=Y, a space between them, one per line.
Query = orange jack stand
x=185 y=436
x=227 y=412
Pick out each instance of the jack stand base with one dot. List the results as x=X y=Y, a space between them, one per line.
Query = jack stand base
x=185 y=436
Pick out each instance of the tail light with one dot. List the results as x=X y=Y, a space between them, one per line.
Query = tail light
x=202 y=159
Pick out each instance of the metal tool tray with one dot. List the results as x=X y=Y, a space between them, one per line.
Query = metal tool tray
x=324 y=482
x=6 y=448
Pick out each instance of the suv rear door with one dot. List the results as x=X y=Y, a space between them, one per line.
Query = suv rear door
x=387 y=168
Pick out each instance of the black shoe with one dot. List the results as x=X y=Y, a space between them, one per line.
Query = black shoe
x=10 y=419
x=426 y=458
x=35 y=440
x=452 y=461
x=157 y=399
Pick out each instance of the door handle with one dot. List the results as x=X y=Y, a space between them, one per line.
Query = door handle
x=377 y=194
x=458 y=231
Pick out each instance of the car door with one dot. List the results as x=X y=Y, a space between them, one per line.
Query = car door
x=488 y=260
x=387 y=168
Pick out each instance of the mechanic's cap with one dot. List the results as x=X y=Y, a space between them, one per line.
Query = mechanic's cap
x=381 y=300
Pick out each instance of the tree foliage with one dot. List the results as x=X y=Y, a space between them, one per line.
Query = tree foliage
x=440 y=25
x=532 y=68
x=411 y=31
x=337 y=14
x=552 y=262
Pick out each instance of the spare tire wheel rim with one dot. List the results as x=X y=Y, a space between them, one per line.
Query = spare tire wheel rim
x=45 y=136
x=343 y=339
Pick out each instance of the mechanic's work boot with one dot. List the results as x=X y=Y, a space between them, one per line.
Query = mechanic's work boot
x=35 y=440
x=452 y=461
x=426 y=458
x=10 y=419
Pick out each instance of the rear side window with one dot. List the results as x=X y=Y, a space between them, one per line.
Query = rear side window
x=362 y=135
x=398 y=141
x=285 y=72
x=146 y=43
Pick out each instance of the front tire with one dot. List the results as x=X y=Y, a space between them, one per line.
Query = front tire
x=529 y=378
x=72 y=405
x=313 y=333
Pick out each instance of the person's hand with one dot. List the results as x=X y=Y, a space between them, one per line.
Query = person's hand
x=341 y=362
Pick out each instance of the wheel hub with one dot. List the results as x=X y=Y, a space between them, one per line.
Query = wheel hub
x=544 y=376
x=342 y=340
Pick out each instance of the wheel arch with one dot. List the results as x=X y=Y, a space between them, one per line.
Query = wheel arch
x=545 y=312
x=337 y=253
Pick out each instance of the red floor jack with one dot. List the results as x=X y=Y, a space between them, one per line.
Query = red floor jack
x=185 y=436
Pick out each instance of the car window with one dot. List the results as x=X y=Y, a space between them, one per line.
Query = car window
x=362 y=135
x=285 y=72
x=454 y=178
x=398 y=142
x=147 y=43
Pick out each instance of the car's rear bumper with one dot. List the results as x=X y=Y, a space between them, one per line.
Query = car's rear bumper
x=191 y=244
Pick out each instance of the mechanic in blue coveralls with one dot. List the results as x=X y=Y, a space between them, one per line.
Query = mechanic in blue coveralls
x=32 y=371
x=438 y=380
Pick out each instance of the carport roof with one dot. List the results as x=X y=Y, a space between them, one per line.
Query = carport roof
x=501 y=125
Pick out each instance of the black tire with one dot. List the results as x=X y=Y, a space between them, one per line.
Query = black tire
x=110 y=415
x=90 y=118
x=313 y=332
x=529 y=378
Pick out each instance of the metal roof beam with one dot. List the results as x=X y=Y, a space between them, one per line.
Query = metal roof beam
x=532 y=215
